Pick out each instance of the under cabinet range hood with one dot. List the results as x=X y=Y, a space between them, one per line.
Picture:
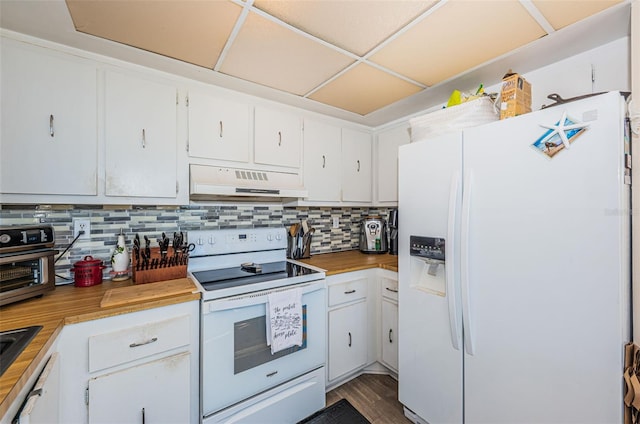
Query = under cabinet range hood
x=225 y=183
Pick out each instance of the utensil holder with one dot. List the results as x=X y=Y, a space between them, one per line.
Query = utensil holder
x=161 y=273
x=299 y=246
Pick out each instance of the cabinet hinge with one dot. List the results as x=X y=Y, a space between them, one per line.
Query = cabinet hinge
x=86 y=396
x=177 y=99
x=186 y=100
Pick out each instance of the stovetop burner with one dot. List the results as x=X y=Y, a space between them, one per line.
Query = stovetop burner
x=218 y=279
x=231 y=262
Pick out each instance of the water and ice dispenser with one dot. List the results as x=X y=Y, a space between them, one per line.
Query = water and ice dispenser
x=427 y=264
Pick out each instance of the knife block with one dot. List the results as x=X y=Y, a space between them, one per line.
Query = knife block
x=299 y=246
x=142 y=276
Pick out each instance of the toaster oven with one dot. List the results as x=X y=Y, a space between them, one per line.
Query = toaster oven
x=26 y=262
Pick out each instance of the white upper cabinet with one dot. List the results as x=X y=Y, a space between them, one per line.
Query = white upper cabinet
x=356 y=166
x=322 y=161
x=277 y=138
x=218 y=128
x=387 y=162
x=48 y=140
x=140 y=137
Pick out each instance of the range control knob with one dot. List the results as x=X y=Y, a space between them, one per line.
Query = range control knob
x=212 y=240
x=269 y=237
x=278 y=236
x=200 y=242
x=5 y=238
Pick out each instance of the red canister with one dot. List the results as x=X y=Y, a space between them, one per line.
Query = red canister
x=88 y=272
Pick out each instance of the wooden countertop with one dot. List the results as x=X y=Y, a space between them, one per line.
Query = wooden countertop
x=70 y=305
x=352 y=260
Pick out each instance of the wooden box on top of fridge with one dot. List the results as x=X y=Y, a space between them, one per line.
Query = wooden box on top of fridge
x=516 y=96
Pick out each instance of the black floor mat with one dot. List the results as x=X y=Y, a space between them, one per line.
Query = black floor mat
x=341 y=412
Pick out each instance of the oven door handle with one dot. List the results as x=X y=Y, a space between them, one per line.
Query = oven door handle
x=259 y=298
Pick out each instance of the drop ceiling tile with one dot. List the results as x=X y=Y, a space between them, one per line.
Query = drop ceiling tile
x=364 y=89
x=561 y=13
x=355 y=25
x=191 y=31
x=458 y=36
x=272 y=55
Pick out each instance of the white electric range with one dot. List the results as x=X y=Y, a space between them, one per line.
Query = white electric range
x=242 y=381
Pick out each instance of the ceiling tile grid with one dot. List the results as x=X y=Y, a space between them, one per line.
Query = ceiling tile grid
x=354 y=55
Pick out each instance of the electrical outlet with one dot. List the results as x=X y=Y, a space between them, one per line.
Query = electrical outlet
x=336 y=222
x=81 y=224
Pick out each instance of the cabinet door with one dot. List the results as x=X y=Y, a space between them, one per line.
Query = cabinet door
x=218 y=129
x=322 y=161
x=154 y=392
x=140 y=134
x=347 y=339
x=278 y=138
x=387 y=162
x=390 y=334
x=43 y=404
x=48 y=141
x=356 y=166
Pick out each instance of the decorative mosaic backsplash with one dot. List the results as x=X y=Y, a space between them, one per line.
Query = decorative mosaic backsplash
x=107 y=221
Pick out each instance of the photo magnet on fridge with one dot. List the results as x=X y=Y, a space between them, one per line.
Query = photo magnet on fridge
x=559 y=136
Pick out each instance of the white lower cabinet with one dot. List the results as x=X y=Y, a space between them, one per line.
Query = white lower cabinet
x=154 y=392
x=348 y=324
x=390 y=334
x=347 y=339
x=389 y=322
x=141 y=367
x=43 y=402
x=362 y=324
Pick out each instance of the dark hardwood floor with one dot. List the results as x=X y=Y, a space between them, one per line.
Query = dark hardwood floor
x=375 y=396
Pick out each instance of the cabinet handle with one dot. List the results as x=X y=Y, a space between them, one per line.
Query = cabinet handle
x=324 y=161
x=279 y=138
x=358 y=165
x=392 y=290
x=144 y=139
x=271 y=374
x=390 y=335
x=349 y=338
x=143 y=416
x=51 y=131
x=155 y=339
x=220 y=129
x=350 y=291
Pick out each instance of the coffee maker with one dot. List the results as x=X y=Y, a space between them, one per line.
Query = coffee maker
x=393 y=232
x=373 y=235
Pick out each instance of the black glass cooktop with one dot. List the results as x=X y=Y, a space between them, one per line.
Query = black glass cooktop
x=217 y=279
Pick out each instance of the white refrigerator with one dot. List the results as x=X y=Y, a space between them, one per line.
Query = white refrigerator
x=514 y=269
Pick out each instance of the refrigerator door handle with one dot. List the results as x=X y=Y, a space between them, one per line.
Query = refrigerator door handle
x=450 y=262
x=464 y=261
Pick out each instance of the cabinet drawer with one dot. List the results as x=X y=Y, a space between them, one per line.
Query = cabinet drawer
x=389 y=289
x=347 y=292
x=119 y=347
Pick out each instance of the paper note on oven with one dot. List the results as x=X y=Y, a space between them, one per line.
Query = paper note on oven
x=284 y=319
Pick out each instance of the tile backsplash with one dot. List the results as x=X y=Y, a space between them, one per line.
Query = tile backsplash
x=107 y=221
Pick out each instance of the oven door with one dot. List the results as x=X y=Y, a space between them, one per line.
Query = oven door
x=236 y=361
x=27 y=274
